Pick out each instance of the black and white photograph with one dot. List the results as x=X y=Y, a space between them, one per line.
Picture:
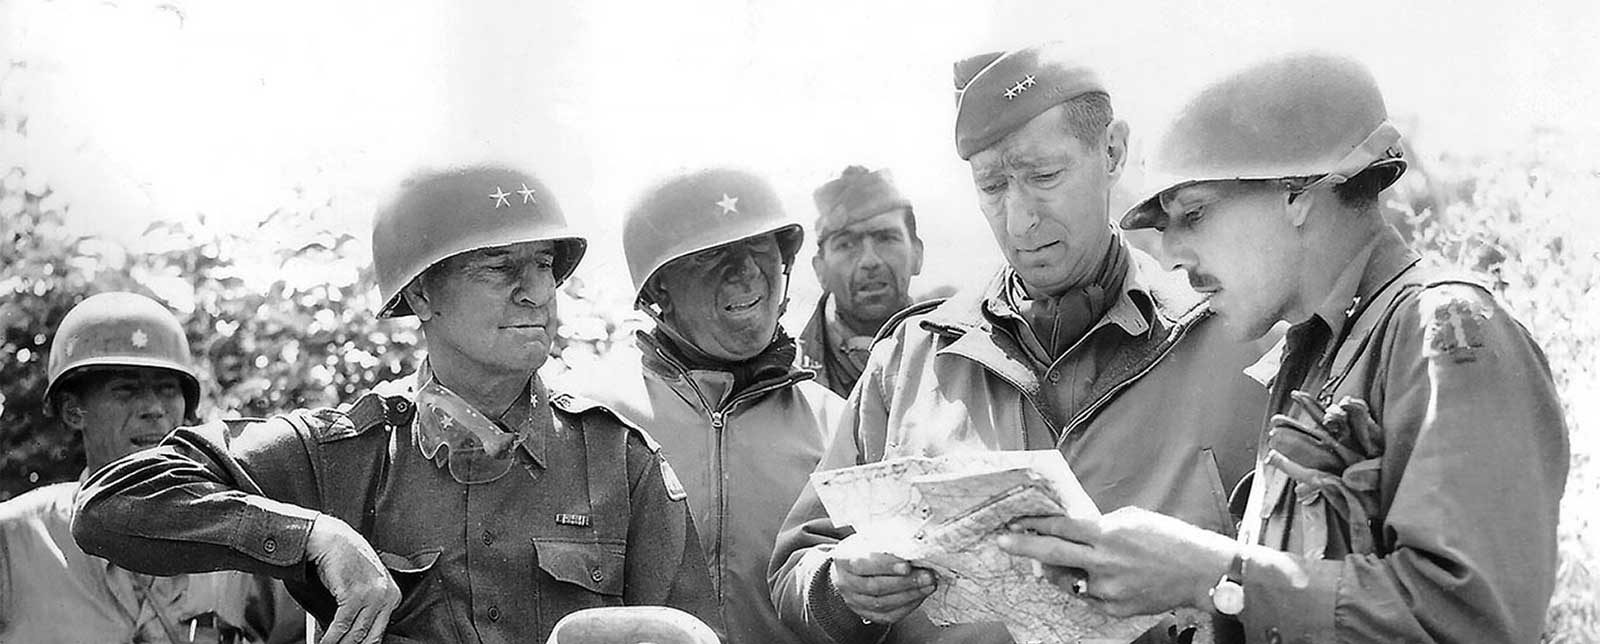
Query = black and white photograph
x=827 y=322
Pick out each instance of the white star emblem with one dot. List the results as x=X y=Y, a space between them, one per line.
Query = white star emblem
x=139 y=339
x=1020 y=87
x=526 y=192
x=499 y=197
x=729 y=205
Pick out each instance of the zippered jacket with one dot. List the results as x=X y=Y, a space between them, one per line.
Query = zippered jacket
x=1168 y=423
x=742 y=454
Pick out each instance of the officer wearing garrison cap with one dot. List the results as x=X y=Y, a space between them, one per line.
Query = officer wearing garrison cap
x=710 y=252
x=464 y=503
x=1070 y=346
x=120 y=373
x=867 y=252
x=1412 y=469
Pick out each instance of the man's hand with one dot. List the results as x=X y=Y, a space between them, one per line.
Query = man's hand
x=879 y=587
x=1137 y=562
x=361 y=585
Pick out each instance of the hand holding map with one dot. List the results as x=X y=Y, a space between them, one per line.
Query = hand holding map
x=944 y=513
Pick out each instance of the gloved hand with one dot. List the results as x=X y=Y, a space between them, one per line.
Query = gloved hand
x=1335 y=457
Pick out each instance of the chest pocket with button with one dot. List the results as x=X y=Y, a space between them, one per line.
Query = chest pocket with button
x=581 y=574
x=418 y=589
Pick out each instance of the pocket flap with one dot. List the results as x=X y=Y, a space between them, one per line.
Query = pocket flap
x=595 y=566
x=409 y=564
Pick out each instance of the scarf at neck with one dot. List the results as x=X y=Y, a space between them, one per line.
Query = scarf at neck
x=1058 y=322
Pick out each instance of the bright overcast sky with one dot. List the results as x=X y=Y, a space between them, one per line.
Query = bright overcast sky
x=147 y=110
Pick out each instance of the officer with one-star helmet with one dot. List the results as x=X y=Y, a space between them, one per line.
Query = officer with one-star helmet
x=120 y=374
x=710 y=253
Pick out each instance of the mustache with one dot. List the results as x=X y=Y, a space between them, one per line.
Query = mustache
x=1201 y=281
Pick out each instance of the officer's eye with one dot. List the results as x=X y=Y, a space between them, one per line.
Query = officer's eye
x=1193 y=216
x=1046 y=177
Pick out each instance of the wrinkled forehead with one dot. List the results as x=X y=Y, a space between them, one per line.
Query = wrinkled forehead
x=892 y=219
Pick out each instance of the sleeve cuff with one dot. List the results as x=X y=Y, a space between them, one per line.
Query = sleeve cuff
x=274 y=532
x=829 y=612
x=1290 y=599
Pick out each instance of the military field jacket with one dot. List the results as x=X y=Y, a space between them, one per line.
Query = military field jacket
x=590 y=521
x=1170 y=425
x=1473 y=468
x=743 y=456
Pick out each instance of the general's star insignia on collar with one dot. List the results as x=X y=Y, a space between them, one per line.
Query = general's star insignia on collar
x=499 y=197
x=527 y=193
x=729 y=205
x=139 y=339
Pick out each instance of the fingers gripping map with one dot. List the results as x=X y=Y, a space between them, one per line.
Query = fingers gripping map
x=944 y=513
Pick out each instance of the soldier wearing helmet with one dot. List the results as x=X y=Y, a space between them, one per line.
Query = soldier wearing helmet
x=867 y=252
x=466 y=502
x=119 y=374
x=710 y=253
x=1410 y=476
x=1072 y=346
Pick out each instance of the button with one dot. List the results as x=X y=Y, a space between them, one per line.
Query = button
x=1055 y=377
x=494 y=613
x=402 y=405
x=1273 y=637
x=488 y=537
x=270 y=545
x=597 y=576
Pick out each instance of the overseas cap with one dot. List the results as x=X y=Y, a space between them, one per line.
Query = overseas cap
x=439 y=214
x=857 y=195
x=998 y=92
x=1301 y=115
x=120 y=330
x=700 y=210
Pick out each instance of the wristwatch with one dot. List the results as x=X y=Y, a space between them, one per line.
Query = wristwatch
x=1228 y=595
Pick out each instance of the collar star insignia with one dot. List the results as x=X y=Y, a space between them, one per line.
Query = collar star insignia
x=527 y=193
x=729 y=205
x=499 y=197
x=139 y=339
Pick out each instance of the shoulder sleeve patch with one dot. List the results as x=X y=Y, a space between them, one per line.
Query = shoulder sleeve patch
x=1454 y=320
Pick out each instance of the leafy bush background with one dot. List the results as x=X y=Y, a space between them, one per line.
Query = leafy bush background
x=306 y=335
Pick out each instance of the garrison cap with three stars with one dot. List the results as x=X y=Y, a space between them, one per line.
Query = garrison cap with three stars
x=998 y=92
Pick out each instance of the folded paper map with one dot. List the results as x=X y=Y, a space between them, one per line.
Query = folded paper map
x=944 y=513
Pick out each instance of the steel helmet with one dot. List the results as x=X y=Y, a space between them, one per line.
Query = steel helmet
x=701 y=210
x=443 y=213
x=631 y=625
x=1309 y=115
x=120 y=330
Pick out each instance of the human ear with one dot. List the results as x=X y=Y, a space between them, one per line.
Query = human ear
x=1116 y=149
x=72 y=413
x=1297 y=207
x=417 y=298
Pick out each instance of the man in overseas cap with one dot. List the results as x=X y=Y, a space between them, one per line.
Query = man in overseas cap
x=867 y=251
x=464 y=503
x=710 y=253
x=1069 y=347
x=1411 y=472
x=119 y=373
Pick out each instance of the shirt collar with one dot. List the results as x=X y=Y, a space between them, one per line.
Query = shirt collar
x=1125 y=311
x=1371 y=269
